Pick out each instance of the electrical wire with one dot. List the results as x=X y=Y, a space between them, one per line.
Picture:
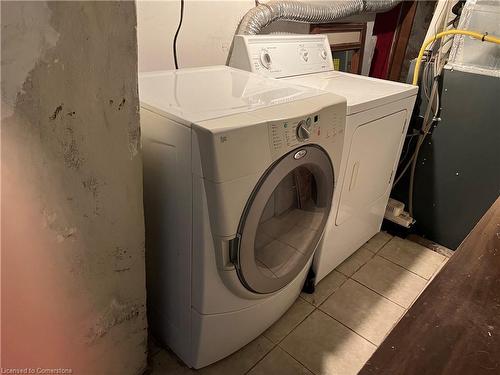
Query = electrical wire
x=483 y=37
x=425 y=82
x=174 y=44
x=433 y=99
x=428 y=124
x=434 y=96
x=408 y=146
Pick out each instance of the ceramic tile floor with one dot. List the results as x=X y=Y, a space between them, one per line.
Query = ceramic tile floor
x=336 y=329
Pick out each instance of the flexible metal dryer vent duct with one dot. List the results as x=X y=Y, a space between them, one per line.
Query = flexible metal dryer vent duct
x=308 y=12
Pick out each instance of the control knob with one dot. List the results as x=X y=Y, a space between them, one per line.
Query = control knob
x=265 y=59
x=303 y=130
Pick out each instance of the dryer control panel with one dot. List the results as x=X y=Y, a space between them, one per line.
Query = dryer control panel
x=280 y=56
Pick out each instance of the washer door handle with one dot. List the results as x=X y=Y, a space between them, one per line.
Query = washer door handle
x=234 y=247
x=224 y=253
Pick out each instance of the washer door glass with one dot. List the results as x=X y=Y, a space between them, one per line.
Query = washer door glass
x=284 y=219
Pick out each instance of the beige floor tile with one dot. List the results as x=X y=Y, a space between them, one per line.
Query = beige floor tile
x=431 y=245
x=278 y=362
x=165 y=362
x=364 y=311
x=439 y=270
x=376 y=242
x=325 y=346
x=390 y=280
x=292 y=318
x=412 y=256
x=325 y=288
x=355 y=261
x=241 y=361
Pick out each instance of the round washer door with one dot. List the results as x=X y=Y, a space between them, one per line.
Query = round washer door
x=284 y=219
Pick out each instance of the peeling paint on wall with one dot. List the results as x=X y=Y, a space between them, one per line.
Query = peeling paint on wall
x=23 y=46
x=115 y=314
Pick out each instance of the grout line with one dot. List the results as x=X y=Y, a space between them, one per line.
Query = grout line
x=318 y=308
x=333 y=292
x=413 y=272
x=290 y=354
x=303 y=299
x=280 y=341
x=293 y=329
x=406 y=269
x=357 y=269
x=404 y=239
x=260 y=360
x=303 y=364
x=366 y=286
x=349 y=328
x=383 y=245
x=373 y=290
x=328 y=296
x=384 y=297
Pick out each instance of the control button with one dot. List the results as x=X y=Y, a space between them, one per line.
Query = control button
x=308 y=121
x=305 y=56
x=265 y=59
x=303 y=131
x=323 y=54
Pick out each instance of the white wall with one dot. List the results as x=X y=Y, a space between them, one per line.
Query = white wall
x=73 y=278
x=206 y=33
x=204 y=39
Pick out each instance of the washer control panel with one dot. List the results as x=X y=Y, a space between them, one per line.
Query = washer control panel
x=320 y=127
x=282 y=55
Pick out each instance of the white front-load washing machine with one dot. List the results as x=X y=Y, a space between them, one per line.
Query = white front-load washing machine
x=239 y=175
x=378 y=114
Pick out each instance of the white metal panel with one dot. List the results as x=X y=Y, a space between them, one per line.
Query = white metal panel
x=372 y=155
x=167 y=207
x=362 y=93
x=216 y=336
x=286 y=54
x=340 y=242
x=199 y=94
x=280 y=56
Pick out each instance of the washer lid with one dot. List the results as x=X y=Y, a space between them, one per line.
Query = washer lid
x=200 y=94
x=362 y=93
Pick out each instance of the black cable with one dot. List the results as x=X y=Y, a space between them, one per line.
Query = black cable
x=177 y=34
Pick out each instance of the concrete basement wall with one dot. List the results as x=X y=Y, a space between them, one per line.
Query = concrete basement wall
x=72 y=267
